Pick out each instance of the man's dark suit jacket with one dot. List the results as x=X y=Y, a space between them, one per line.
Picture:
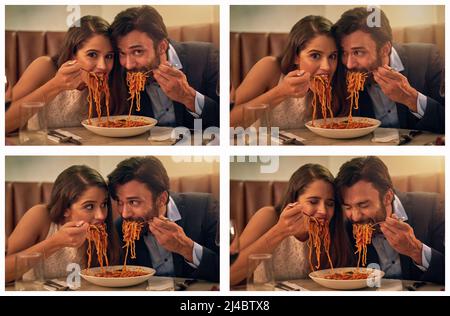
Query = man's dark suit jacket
x=424 y=71
x=200 y=63
x=426 y=216
x=199 y=217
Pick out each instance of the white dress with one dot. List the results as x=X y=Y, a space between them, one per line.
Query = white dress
x=291 y=113
x=290 y=260
x=67 y=109
x=55 y=266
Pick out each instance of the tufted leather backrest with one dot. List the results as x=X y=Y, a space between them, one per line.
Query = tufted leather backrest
x=21 y=196
x=246 y=197
x=22 y=47
x=247 y=48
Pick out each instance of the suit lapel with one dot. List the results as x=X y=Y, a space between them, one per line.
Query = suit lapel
x=178 y=107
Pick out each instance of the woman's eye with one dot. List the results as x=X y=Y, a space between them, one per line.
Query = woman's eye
x=92 y=54
x=109 y=56
x=313 y=202
x=333 y=56
x=103 y=205
x=89 y=207
x=315 y=56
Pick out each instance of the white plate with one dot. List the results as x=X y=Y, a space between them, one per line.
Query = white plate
x=373 y=279
x=120 y=131
x=343 y=133
x=117 y=282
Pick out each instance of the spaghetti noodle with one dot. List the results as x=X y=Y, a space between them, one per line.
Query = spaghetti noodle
x=136 y=84
x=98 y=236
x=131 y=232
x=322 y=94
x=355 y=83
x=98 y=87
x=122 y=123
x=363 y=237
x=319 y=235
x=348 y=275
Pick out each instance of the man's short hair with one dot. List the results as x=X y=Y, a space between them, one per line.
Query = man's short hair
x=144 y=19
x=356 y=19
x=370 y=169
x=147 y=170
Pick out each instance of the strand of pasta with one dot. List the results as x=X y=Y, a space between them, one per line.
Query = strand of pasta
x=99 y=237
x=319 y=234
x=136 y=84
x=355 y=83
x=363 y=237
x=322 y=94
x=131 y=232
x=98 y=86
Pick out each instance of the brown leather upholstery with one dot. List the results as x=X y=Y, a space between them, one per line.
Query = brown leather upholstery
x=246 y=197
x=247 y=48
x=21 y=196
x=23 y=47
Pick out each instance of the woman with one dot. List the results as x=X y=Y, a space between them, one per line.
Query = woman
x=285 y=82
x=59 y=229
x=61 y=81
x=283 y=230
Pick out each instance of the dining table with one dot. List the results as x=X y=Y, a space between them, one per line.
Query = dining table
x=385 y=285
x=88 y=138
x=303 y=136
x=180 y=284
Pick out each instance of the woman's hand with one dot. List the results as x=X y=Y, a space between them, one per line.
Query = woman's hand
x=72 y=234
x=295 y=85
x=293 y=222
x=69 y=76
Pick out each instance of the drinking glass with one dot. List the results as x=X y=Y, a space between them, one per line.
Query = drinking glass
x=257 y=122
x=260 y=276
x=33 y=123
x=29 y=271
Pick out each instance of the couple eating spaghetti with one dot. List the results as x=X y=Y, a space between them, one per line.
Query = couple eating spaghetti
x=173 y=233
x=130 y=67
x=355 y=219
x=349 y=68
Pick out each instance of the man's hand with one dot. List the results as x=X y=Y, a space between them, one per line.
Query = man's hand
x=175 y=85
x=396 y=87
x=172 y=237
x=401 y=237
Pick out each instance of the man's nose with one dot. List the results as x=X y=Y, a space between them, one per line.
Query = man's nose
x=129 y=63
x=356 y=215
x=350 y=62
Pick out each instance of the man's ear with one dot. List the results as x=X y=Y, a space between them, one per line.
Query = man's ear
x=386 y=49
x=388 y=198
x=163 y=46
x=162 y=200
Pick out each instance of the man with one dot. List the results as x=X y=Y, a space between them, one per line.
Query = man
x=181 y=227
x=409 y=243
x=403 y=88
x=183 y=76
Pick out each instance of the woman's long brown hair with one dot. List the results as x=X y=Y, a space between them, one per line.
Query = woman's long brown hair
x=340 y=248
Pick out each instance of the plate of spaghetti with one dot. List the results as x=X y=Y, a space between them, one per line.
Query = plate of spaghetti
x=342 y=127
x=348 y=278
x=117 y=276
x=120 y=125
